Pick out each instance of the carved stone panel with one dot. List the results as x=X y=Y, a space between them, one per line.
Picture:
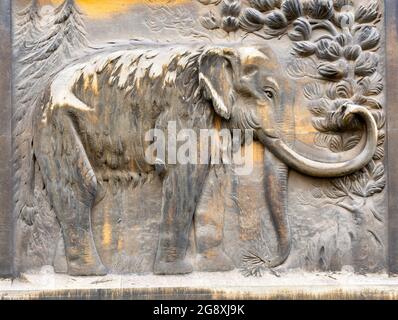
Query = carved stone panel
x=172 y=137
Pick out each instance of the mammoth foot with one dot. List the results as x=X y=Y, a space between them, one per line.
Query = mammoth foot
x=172 y=268
x=84 y=269
x=87 y=262
x=214 y=262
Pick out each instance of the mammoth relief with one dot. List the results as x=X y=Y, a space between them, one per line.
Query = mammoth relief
x=82 y=130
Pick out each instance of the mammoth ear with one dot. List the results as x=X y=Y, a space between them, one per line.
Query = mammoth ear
x=217 y=68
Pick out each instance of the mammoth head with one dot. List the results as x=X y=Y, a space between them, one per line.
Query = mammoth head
x=247 y=87
x=249 y=90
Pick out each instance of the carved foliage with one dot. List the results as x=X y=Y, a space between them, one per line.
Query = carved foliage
x=27 y=24
x=364 y=224
x=39 y=56
x=164 y=18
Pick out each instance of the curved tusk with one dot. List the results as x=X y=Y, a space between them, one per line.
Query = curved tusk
x=320 y=169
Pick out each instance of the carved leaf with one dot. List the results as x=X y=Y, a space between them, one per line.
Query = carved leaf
x=252 y=265
x=276 y=20
x=336 y=144
x=339 y=188
x=333 y=70
x=304 y=48
x=342 y=184
x=378 y=181
x=367 y=37
x=292 y=9
x=333 y=121
x=328 y=50
x=380 y=153
x=28 y=26
x=380 y=119
x=321 y=124
x=344 y=89
x=373 y=103
x=351 y=142
x=345 y=19
x=301 y=30
x=265 y=5
x=301 y=68
x=319 y=108
x=320 y=9
x=370 y=181
x=230 y=8
x=329 y=141
x=210 y=21
x=352 y=52
x=359 y=185
x=372 y=86
x=367 y=13
x=252 y=20
x=368 y=102
x=339 y=4
x=322 y=140
x=334 y=193
x=317 y=193
x=381 y=138
x=153 y=24
x=66 y=33
x=207 y=2
x=313 y=91
x=344 y=39
x=230 y=24
x=366 y=64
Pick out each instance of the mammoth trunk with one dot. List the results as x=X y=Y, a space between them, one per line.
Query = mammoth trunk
x=323 y=168
x=276 y=185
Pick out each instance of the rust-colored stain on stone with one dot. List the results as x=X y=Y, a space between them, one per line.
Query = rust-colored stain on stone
x=107 y=230
x=106 y=8
x=202 y=294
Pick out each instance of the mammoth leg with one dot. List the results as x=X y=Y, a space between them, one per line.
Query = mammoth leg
x=209 y=225
x=182 y=188
x=276 y=185
x=72 y=187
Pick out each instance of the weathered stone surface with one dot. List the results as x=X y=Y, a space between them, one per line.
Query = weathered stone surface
x=90 y=81
x=220 y=286
x=392 y=96
x=6 y=220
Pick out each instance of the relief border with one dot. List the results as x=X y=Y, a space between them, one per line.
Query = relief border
x=6 y=221
x=391 y=27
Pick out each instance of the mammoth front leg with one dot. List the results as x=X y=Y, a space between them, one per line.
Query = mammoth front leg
x=182 y=188
x=72 y=187
x=276 y=187
x=209 y=224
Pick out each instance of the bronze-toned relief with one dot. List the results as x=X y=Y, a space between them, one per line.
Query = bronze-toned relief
x=294 y=87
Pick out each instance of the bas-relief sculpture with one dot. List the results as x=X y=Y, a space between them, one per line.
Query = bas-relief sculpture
x=89 y=203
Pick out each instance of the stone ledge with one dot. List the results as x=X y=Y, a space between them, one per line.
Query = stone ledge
x=293 y=285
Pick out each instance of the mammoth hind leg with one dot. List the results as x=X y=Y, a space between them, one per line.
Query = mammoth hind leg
x=71 y=186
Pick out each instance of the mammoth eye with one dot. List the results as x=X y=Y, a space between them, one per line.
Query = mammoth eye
x=269 y=92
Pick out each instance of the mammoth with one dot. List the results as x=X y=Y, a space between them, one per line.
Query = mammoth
x=90 y=123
